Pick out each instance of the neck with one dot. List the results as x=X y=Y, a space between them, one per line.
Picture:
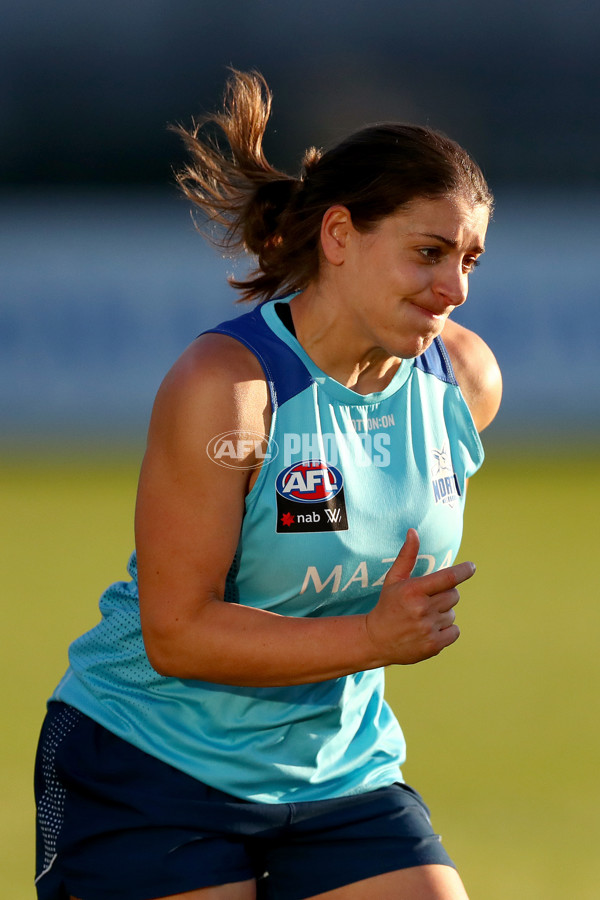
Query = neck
x=335 y=346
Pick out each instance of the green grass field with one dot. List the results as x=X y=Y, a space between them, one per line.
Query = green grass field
x=503 y=728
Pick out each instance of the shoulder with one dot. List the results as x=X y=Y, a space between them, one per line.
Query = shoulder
x=215 y=359
x=216 y=385
x=476 y=370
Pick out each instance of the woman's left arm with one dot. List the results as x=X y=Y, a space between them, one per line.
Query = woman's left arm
x=476 y=370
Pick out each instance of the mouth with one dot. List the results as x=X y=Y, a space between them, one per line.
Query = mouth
x=436 y=318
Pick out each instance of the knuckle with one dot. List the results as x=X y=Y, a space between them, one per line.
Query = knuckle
x=433 y=647
x=420 y=606
x=427 y=631
x=452 y=576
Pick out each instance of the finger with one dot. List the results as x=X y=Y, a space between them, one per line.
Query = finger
x=446 y=619
x=406 y=560
x=446 y=600
x=446 y=579
x=449 y=635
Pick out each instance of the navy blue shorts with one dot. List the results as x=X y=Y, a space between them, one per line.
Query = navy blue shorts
x=117 y=824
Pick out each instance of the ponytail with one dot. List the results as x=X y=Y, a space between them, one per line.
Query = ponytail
x=240 y=192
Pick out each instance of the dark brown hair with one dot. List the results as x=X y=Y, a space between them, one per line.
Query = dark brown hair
x=374 y=172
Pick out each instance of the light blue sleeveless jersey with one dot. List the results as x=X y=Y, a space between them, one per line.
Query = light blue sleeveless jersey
x=344 y=477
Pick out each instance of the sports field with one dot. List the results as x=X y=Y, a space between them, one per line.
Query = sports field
x=503 y=729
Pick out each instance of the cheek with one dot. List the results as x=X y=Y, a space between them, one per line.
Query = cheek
x=411 y=280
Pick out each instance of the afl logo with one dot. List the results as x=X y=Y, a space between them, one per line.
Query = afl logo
x=310 y=481
x=242 y=449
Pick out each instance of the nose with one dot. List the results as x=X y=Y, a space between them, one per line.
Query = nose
x=451 y=284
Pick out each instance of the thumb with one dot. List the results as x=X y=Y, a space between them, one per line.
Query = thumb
x=406 y=559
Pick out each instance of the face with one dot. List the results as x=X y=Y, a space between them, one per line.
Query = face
x=402 y=280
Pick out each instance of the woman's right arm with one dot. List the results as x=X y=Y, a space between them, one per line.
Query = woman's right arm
x=188 y=520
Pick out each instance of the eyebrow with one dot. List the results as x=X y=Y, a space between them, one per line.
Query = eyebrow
x=449 y=242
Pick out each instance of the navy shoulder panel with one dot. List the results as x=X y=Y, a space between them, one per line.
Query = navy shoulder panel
x=286 y=374
x=435 y=361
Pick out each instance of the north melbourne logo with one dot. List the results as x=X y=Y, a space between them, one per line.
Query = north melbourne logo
x=310 y=497
x=446 y=488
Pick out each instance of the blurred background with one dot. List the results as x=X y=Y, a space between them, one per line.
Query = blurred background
x=103 y=281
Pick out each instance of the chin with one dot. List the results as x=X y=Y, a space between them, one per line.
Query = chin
x=416 y=347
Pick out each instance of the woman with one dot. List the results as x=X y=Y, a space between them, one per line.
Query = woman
x=222 y=733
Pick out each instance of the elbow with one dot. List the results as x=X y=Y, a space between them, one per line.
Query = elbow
x=165 y=650
x=161 y=658
x=177 y=642
x=171 y=655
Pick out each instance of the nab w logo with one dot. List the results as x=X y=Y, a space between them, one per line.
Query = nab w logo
x=310 y=497
x=310 y=481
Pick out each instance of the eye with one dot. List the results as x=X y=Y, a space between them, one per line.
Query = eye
x=431 y=254
x=470 y=263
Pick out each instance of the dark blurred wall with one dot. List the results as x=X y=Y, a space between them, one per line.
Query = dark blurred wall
x=87 y=88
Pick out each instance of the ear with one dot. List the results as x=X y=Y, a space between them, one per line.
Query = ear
x=335 y=231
